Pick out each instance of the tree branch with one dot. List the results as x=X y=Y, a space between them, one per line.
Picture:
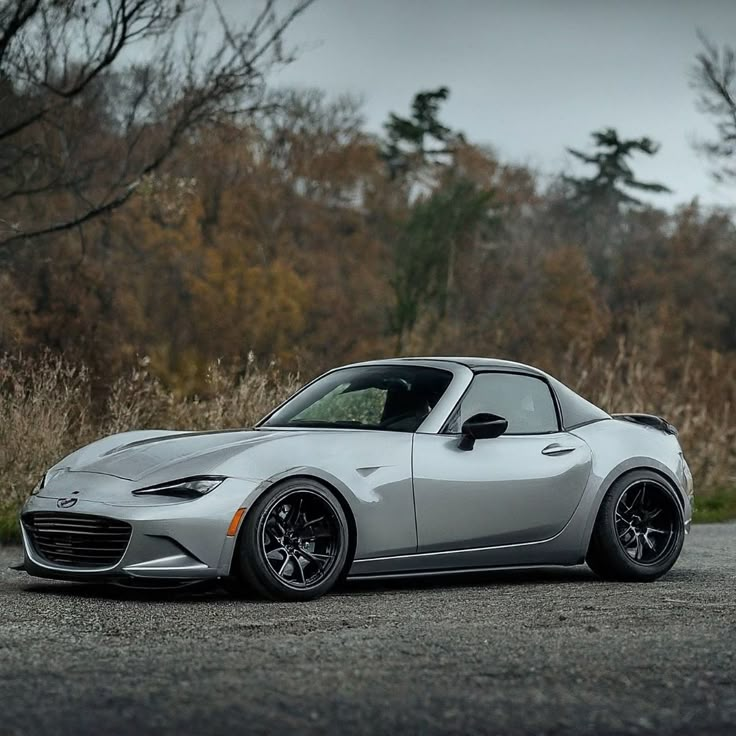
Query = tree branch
x=90 y=128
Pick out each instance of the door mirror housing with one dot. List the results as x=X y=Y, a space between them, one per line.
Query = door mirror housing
x=481 y=427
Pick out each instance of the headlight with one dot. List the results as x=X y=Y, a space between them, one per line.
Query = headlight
x=47 y=478
x=196 y=487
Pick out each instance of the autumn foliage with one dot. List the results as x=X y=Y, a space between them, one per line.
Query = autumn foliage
x=300 y=238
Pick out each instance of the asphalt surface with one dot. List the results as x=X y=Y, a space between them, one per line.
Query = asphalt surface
x=549 y=652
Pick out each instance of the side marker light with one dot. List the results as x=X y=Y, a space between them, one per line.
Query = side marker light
x=232 y=530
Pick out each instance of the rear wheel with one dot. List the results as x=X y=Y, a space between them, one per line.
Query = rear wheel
x=293 y=544
x=639 y=530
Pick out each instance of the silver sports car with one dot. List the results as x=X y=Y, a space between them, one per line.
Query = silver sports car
x=411 y=466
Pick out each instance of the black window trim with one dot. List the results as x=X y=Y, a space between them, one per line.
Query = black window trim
x=543 y=379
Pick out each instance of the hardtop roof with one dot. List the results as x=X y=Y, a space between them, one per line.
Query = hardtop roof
x=474 y=363
x=575 y=409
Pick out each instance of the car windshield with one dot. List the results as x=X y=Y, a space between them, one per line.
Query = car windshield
x=388 y=397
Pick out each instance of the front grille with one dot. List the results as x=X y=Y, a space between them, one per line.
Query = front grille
x=77 y=540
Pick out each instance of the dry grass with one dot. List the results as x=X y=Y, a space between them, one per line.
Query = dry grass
x=696 y=392
x=47 y=410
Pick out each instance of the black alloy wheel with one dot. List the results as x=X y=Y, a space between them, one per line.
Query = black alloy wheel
x=300 y=537
x=639 y=529
x=294 y=542
x=646 y=521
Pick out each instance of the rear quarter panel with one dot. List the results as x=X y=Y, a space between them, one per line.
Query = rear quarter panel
x=620 y=446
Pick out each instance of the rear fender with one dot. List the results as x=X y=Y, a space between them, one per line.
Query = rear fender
x=636 y=463
x=612 y=443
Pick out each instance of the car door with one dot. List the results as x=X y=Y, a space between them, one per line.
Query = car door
x=520 y=487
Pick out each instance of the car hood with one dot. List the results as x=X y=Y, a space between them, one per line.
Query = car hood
x=149 y=457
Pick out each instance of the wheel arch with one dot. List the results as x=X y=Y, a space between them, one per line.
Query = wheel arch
x=620 y=472
x=342 y=500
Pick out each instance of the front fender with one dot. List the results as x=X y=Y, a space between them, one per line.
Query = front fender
x=370 y=470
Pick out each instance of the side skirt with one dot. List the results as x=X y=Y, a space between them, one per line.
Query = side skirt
x=460 y=571
x=561 y=550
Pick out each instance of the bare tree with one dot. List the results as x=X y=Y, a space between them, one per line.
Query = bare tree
x=714 y=79
x=97 y=94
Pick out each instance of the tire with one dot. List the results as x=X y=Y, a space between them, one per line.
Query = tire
x=639 y=530
x=294 y=542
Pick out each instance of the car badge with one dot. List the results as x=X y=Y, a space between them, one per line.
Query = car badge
x=66 y=503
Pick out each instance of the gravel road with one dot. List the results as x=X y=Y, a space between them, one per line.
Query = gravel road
x=549 y=652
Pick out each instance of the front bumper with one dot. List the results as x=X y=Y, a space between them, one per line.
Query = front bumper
x=170 y=539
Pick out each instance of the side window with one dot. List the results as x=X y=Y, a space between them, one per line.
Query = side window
x=526 y=402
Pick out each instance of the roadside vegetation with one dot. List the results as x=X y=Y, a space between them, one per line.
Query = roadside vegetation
x=49 y=409
x=162 y=221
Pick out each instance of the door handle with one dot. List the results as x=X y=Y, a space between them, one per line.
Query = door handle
x=557 y=449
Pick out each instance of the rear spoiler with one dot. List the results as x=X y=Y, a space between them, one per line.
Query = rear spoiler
x=649 y=420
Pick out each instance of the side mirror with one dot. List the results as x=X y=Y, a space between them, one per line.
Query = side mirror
x=481 y=427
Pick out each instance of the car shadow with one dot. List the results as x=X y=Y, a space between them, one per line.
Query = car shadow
x=469 y=579
x=212 y=591
x=552 y=575
x=198 y=592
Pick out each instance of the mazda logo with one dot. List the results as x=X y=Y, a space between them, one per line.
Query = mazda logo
x=66 y=503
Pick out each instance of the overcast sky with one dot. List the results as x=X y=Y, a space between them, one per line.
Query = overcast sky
x=528 y=77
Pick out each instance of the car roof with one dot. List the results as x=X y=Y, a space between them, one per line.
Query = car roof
x=475 y=364
x=575 y=409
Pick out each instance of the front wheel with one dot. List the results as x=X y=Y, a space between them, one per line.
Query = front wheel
x=639 y=530
x=293 y=544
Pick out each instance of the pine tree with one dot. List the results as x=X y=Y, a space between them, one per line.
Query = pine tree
x=613 y=179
